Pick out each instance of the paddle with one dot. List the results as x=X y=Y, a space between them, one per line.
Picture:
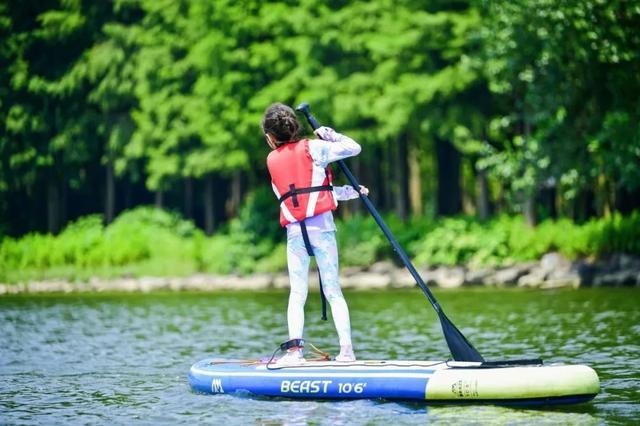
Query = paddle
x=460 y=348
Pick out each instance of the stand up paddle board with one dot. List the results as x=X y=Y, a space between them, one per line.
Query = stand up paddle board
x=446 y=382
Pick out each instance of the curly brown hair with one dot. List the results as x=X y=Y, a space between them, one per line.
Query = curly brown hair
x=281 y=121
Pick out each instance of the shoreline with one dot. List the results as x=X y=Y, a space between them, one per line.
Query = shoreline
x=551 y=271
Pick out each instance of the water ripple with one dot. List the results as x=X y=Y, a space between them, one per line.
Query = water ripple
x=117 y=358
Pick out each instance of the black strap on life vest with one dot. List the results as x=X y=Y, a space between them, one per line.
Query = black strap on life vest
x=307 y=245
x=293 y=192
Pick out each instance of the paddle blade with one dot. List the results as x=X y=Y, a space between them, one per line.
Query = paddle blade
x=460 y=348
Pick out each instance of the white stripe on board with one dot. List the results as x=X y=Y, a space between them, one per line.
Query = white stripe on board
x=303 y=374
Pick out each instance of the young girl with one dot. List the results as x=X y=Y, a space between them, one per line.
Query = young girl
x=301 y=180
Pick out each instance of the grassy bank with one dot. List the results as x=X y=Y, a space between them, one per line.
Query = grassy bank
x=147 y=241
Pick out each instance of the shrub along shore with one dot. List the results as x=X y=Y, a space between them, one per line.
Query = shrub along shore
x=552 y=271
x=146 y=249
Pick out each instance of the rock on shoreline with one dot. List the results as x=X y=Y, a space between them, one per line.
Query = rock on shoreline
x=552 y=271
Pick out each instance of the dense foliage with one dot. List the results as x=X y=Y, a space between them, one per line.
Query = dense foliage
x=149 y=241
x=483 y=108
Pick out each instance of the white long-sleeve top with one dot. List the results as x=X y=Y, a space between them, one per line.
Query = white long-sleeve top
x=322 y=153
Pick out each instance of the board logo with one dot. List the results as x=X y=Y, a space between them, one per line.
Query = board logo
x=304 y=386
x=216 y=386
x=465 y=388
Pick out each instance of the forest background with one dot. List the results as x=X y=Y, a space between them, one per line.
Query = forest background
x=492 y=131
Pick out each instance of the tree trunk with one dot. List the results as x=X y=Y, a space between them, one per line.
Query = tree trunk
x=449 y=197
x=64 y=195
x=208 y=205
x=356 y=205
x=529 y=209
x=603 y=197
x=233 y=205
x=415 y=182
x=159 y=201
x=128 y=194
x=110 y=199
x=547 y=200
x=188 y=198
x=377 y=196
x=53 y=207
x=401 y=178
x=553 y=205
x=483 y=194
x=388 y=178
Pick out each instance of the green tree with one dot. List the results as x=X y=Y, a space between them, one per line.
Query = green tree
x=405 y=76
x=45 y=117
x=192 y=88
x=562 y=73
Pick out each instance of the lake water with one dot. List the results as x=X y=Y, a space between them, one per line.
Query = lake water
x=123 y=358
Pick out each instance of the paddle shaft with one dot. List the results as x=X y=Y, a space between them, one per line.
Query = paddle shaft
x=304 y=108
x=459 y=346
x=387 y=232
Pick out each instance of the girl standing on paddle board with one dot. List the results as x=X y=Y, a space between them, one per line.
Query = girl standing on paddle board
x=302 y=182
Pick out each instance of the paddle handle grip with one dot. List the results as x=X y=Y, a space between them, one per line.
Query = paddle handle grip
x=304 y=108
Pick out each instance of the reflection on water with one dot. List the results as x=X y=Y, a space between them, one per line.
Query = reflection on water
x=114 y=358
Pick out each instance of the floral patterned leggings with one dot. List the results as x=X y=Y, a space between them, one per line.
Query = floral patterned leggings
x=326 y=254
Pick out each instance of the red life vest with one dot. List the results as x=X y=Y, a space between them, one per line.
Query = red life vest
x=303 y=188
